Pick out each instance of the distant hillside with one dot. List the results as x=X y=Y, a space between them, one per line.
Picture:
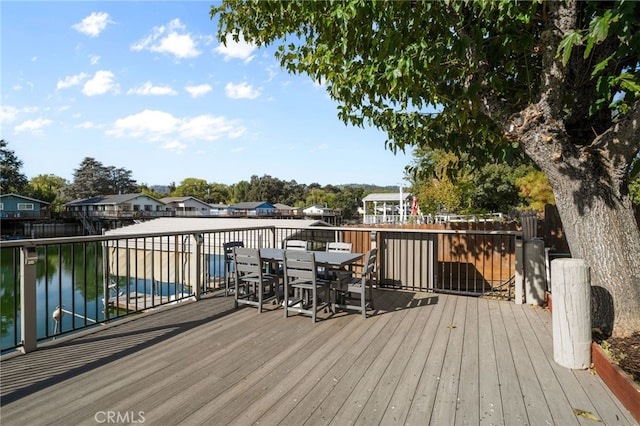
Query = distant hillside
x=370 y=188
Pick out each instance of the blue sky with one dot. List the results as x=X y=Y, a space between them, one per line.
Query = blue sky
x=147 y=87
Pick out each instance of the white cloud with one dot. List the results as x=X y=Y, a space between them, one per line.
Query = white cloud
x=200 y=90
x=93 y=24
x=241 y=91
x=101 y=83
x=150 y=124
x=176 y=146
x=149 y=89
x=172 y=39
x=70 y=81
x=174 y=132
x=236 y=49
x=208 y=127
x=86 y=125
x=94 y=59
x=8 y=113
x=34 y=126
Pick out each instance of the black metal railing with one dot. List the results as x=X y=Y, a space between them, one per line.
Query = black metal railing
x=52 y=287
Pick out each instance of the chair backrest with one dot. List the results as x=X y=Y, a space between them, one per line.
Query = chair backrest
x=299 y=265
x=339 y=246
x=370 y=263
x=247 y=261
x=228 y=248
x=295 y=245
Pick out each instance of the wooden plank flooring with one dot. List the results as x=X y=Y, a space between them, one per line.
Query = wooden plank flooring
x=422 y=358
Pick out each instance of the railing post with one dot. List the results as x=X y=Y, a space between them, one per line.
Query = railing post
x=199 y=240
x=519 y=277
x=534 y=273
x=28 y=311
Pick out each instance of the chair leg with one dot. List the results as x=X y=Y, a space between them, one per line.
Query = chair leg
x=314 y=304
x=286 y=300
x=226 y=280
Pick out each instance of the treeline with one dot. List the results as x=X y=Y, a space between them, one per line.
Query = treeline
x=442 y=181
x=92 y=178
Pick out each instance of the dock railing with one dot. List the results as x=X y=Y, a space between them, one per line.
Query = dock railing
x=56 y=286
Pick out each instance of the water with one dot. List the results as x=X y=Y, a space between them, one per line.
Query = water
x=72 y=278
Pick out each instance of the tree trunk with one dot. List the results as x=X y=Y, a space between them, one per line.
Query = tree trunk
x=606 y=236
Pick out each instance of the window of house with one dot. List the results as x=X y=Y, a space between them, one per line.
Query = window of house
x=25 y=206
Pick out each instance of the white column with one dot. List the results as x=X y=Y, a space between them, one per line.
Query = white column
x=571 y=313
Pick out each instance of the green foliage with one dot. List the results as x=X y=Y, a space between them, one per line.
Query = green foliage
x=535 y=190
x=92 y=178
x=495 y=189
x=392 y=64
x=48 y=188
x=144 y=189
x=11 y=179
x=450 y=75
x=192 y=187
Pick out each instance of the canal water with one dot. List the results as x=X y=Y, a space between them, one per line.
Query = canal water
x=73 y=280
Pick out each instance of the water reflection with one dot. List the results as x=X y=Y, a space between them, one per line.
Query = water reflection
x=70 y=276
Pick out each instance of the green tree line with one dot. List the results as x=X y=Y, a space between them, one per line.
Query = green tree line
x=447 y=183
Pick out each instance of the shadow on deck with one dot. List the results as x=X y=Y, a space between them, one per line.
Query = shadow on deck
x=422 y=358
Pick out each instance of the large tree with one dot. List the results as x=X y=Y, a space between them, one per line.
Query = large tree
x=556 y=80
x=92 y=178
x=48 y=188
x=11 y=178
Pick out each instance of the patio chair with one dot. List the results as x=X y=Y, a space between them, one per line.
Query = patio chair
x=295 y=245
x=351 y=288
x=339 y=246
x=229 y=283
x=251 y=280
x=334 y=246
x=300 y=278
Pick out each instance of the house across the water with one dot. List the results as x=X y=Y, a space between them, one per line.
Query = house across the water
x=15 y=206
x=119 y=206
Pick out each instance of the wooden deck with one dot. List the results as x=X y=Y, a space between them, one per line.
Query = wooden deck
x=424 y=358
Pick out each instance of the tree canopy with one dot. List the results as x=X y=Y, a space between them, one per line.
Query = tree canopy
x=11 y=178
x=92 y=178
x=555 y=81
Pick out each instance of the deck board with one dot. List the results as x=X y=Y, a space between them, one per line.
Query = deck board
x=467 y=401
x=534 y=400
x=513 y=404
x=422 y=358
x=445 y=403
x=425 y=394
x=490 y=397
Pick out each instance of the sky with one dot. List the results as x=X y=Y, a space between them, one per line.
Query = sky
x=147 y=87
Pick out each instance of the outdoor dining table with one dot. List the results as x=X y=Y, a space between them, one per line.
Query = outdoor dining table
x=329 y=260
x=326 y=259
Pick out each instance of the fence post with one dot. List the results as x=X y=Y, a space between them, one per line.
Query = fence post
x=197 y=271
x=534 y=273
x=571 y=317
x=519 y=278
x=28 y=298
